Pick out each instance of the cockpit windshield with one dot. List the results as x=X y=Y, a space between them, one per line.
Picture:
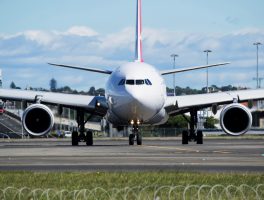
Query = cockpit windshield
x=122 y=82
x=134 y=82
x=130 y=82
x=140 y=82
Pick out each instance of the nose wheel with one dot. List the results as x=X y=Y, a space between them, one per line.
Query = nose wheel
x=135 y=136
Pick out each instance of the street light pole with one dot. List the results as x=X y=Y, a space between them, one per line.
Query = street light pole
x=257 y=45
x=207 y=79
x=174 y=57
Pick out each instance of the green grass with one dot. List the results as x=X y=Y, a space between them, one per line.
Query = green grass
x=145 y=184
x=81 y=180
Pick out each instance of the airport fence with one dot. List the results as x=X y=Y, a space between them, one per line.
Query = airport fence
x=220 y=192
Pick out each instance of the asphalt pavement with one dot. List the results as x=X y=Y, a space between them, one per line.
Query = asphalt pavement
x=156 y=154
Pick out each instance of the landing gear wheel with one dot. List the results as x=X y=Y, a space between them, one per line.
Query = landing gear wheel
x=185 y=138
x=199 y=137
x=89 y=138
x=139 y=139
x=75 y=138
x=131 y=139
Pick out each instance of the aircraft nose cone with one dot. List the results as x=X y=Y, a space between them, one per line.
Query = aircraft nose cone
x=143 y=103
x=137 y=97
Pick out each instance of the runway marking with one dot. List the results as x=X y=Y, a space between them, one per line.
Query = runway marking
x=223 y=152
x=173 y=148
x=187 y=150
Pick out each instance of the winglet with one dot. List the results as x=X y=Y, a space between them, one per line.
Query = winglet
x=138 y=48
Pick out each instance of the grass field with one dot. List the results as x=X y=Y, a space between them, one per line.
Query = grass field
x=81 y=180
x=150 y=182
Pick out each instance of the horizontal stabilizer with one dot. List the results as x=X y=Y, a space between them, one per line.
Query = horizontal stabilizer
x=173 y=71
x=84 y=68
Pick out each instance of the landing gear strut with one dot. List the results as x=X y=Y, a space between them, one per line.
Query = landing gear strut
x=82 y=136
x=135 y=136
x=193 y=134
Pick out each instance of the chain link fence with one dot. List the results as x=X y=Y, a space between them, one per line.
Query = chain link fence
x=219 y=192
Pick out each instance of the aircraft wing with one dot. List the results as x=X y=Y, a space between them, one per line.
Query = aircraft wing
x=182 y=104
x=91 y=104
x=174 y=71
x=83 y=68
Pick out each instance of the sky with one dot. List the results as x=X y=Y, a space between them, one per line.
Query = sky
x=101 y=34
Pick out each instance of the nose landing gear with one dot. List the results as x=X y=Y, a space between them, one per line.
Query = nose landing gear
x=135 y=136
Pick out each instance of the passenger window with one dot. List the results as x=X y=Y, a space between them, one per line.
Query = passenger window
x=122 y=82
x=139 y=82
x=130 y=82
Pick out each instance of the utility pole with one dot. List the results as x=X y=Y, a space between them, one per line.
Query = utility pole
x=207 y=51
x=257 y=72
x=174 y=57
x=257 y=45
x=207 y=78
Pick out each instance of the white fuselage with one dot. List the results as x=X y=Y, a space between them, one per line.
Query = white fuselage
x=136 y=93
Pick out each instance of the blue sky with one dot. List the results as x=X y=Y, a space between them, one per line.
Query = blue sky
x=101 y=34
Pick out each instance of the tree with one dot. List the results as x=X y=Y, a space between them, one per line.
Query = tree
x=210 y=122
x=92 y=91
x=53 y=85
x=13 y=85
x=100 y=92
x=177 y=121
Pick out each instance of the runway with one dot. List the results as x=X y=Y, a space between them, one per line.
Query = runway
x=157 y=154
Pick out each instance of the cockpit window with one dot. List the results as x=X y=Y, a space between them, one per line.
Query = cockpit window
x=122 y=82
x=139 y=82
x=130 y=82
x=148 y=82
x=134 y=82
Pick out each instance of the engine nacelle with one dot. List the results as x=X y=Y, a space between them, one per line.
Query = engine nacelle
x=235 y=119
x=37 y=120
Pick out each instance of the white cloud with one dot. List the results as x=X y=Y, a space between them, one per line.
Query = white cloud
x=41 y=37
x=81 y=31
x=35 y=48
x=249 y=31
x=119 y=40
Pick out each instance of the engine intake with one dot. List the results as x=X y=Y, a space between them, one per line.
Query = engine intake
x=235 y=119
x=38 y=120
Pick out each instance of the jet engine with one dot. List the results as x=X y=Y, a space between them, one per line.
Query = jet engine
x=235 y=119
x=37 y=120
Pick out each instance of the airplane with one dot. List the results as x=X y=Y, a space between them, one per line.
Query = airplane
x=135 y=96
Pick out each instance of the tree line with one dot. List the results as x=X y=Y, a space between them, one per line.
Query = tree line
x=213 y=88
x=65 y=89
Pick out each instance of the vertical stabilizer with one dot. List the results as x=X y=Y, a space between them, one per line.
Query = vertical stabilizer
x=138 y=50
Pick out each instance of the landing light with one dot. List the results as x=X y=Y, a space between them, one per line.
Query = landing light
x=138 y=122
x=98 y=104
x=132 y=122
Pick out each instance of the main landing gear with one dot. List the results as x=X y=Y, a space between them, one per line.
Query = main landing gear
x=82 y=136
x=135 y=136
x=193 y=134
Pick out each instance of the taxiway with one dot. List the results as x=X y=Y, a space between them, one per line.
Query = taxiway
x=216 y=155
